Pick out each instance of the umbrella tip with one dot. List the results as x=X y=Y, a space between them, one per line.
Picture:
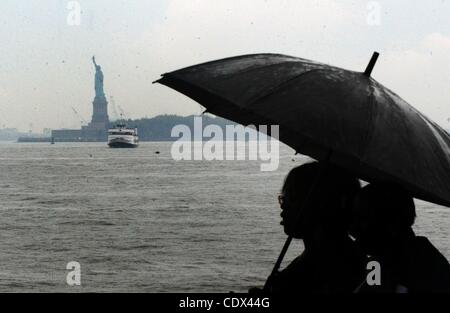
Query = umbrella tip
x=371 y=64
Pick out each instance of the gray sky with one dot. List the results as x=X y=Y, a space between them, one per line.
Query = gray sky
x=46 y=68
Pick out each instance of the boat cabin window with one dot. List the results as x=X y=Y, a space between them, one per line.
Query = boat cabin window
x=121 y=133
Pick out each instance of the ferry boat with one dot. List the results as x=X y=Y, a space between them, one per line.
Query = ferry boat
x=122 y=137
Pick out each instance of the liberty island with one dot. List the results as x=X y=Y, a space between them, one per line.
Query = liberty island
x=97 y=129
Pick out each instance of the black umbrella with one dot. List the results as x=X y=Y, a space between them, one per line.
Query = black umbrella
x=368 y=129
x=331 y=114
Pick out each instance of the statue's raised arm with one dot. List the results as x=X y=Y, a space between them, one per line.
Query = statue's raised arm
x=93 y=60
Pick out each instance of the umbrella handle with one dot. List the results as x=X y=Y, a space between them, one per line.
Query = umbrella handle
x=312 y=189
x=277 y=265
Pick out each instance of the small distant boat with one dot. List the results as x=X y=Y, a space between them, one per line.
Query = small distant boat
x=122 y=137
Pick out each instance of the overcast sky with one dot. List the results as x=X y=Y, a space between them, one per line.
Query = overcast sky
x=46 y=68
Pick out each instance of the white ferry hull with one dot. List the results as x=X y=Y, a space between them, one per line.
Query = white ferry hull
x=122 y=137
x=121 y=143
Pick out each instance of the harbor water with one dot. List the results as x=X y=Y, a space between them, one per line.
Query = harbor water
x=138 y=221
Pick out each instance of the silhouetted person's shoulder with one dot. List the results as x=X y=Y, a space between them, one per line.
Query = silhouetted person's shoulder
x=298 y=277
x=337 y=273
x=428 y=270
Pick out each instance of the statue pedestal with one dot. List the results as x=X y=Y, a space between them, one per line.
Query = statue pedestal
x=97 y=130
x=100 y=111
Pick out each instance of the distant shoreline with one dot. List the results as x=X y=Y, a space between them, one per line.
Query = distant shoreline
x=157 y=129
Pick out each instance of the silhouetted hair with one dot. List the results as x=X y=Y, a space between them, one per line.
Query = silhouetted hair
x=387 y=204
x=334 y=187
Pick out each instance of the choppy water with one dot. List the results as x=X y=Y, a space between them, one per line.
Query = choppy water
x=137 y=221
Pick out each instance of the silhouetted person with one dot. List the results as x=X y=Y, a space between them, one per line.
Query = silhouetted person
x=383 y=219
x=320 y=217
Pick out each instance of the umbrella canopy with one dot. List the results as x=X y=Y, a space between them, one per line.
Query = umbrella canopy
x=321 y=109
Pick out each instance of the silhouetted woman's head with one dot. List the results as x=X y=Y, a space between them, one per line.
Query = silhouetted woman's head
x=328 y=205
x=382 y=213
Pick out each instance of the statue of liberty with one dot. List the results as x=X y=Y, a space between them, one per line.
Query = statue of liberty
x=100 y=119
x=99 y=92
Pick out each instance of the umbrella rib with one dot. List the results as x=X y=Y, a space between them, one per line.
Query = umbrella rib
x=239 y=57
x=286 y=59
x=368 y=135
x=250 y=69
x=267 y=66
x=281 y=85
